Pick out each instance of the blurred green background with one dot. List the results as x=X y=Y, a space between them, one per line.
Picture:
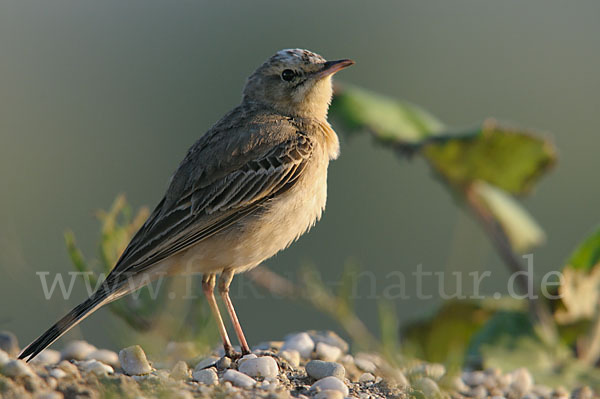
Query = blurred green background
x=99 y=98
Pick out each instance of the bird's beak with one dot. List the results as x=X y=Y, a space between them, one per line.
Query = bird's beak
x=331 y=67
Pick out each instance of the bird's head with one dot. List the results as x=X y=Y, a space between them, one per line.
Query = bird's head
x=294 y=82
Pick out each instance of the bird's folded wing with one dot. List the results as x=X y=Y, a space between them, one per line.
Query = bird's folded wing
x=205 y=209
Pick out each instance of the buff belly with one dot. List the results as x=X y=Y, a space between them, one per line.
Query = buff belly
x=259 y=237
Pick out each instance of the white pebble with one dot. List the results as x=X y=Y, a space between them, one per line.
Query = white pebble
x=366 y=377
x=329 y=394
x=459 y=385
x=319 y=369
x=47 y=357
x=300 y=342
x=246 y=357
x=105 y=356
x=52 y=383
x=4 y=358
x=365 y=364
x=329 y=338
x=180 y=371
x=478 y=392
x=239 y=379
x=522 y=381
x=58 y=373
x=327 y=352
x=95 y=367
x=133 y=361
x=330 y=383
x=208 y=362
x=292 y=356
x=264 y=366
x=17 y=368
x=68 y=367
x=77 y=350
x=473 y=378
x=206 y=376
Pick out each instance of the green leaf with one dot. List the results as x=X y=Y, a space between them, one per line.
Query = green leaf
x=510 y=159
x=587 y=255
x=388 y=119
x=521 y=229
x=444 y=338
x=75 y=253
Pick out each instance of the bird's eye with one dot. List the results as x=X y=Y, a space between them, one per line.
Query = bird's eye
x=288 y=75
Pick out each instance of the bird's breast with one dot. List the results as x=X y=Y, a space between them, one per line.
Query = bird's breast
x=258 y=237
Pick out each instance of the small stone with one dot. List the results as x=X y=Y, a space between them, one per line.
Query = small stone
x=365 y=364
x=68 y=368
x=473 y=378
x=332 y=383
x=207 y=362
x=246 y=357
x=105 y=356
x=327 y=352
x=4 y=358
x=47 y=357
x=224 y=363
x=459 y=385
x=329 y=338
x=17 y=368
x=292 y=356
x=268 y=385
x=319 y=369
x=58 y=373
x=429 y=388
x=478 y=392
x=300 y=342
x=9 y=343
x=95 y=367
x=77 y=350
x=206 y=376
x=264 y=366
x=133 y=361
x=366 y=377
x=239 y=379
x=522 y=381
x=490 y=382
x=180 y=371
x=329 y=394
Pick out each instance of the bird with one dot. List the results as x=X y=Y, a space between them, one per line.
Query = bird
x=246 y=189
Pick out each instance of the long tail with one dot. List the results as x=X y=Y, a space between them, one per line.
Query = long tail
x=73 y=318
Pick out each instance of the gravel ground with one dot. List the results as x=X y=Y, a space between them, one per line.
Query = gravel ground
x=304 y=365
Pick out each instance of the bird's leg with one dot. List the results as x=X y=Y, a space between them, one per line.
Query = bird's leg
x=224 y=282
x=208 y=286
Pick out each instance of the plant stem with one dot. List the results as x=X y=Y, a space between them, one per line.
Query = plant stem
x=538 y=310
